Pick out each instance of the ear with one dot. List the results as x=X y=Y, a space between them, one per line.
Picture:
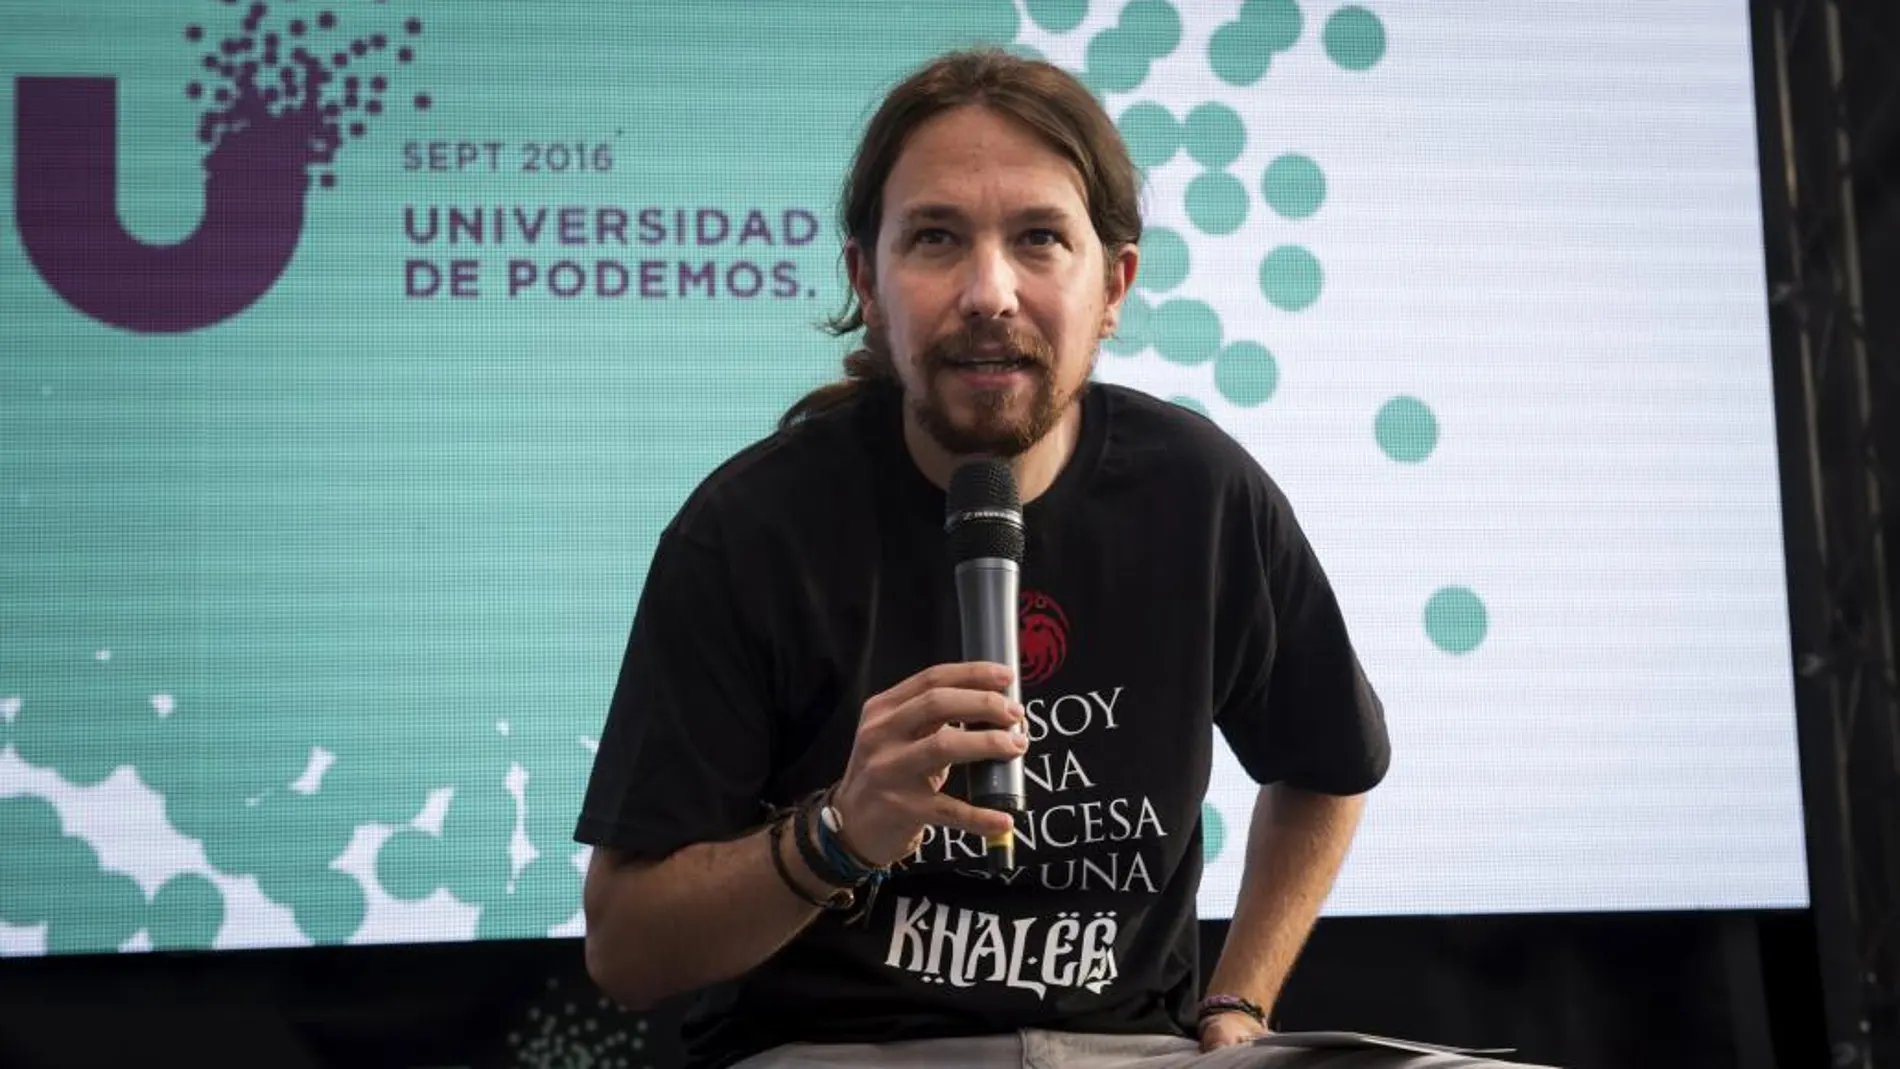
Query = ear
x=1121 y=279
x=863 y=275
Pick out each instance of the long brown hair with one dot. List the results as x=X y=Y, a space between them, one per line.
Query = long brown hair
x=1045 y=99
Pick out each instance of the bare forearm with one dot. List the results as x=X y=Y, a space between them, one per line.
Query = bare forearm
x=709 y=912
x=1296 y=844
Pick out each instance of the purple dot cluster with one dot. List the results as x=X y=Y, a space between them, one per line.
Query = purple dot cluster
x=292 y=78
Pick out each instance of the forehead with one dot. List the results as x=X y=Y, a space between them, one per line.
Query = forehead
x=979 y=161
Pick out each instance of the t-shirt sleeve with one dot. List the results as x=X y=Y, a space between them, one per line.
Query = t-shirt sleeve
x=1301 y=711
x=684 y=755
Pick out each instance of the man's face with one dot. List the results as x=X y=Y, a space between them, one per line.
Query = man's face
x=989 y=285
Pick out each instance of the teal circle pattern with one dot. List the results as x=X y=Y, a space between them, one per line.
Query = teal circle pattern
x=1291 y=278
x=329 y=905
x=185 y=914
x=1186 y=332
x=1245 y=374
x=1240 y=51
x=26 y=820
x=1213 y=832
x=1153 y=24
x=1276 y=22
x=1214 y=135
x=1216 y=202
x=1294 y=186
x=1406 y=429
x=1164 y=260
x=1115 y=62
x=64 y=864
x=470 y=870
x=1132 y=332
x=1151 y=134
x=544 y=895
x=1236 y=56
x=408 y=866
x=83 y=907
x=1455 y=620
x=1058 y=16
x=1190 y=404
x=1354 y=38
x=106 y=909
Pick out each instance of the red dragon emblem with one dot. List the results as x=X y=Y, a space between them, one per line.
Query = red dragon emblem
x=1043 y=638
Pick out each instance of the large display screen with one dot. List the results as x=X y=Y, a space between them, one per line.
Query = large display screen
x=353 y=355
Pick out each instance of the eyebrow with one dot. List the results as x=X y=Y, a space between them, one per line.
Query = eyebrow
x=950 y=213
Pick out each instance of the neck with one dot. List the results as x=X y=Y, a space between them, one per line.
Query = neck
x=1035 y=468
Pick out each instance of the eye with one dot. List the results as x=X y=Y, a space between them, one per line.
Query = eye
x=1043 y=236
x=931 y=235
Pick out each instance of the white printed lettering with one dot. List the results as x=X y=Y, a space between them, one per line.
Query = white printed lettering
x=1070 y=715
x=905 y=935
x=1098 y=951
x=1070 y=955
x=1138 y=869
x=1046 y=836
x=1047 y=780
x=1104 y=876
x=1076 y=722
x=989 y=944
x=1022 y=925
x=1149 y=818
x=1055 y=826
x=953 y=839
x=1068 y=870
x=958 y=936
x=1059 y=940
x=1072 y=769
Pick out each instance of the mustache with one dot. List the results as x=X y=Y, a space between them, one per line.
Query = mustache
x=961 y=346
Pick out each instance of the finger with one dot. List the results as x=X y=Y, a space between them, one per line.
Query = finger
x=955 y=813
x=962 y=675
x=926 y=713
x=957 y=747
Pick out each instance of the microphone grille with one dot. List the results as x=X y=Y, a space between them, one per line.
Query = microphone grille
x=983 y=512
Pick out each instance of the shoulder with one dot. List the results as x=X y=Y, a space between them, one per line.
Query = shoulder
x=1176 y=470
x=1153 y=439
x=795 y=475
x=1143 y=417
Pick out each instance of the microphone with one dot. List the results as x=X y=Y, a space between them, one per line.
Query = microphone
x=984 y=521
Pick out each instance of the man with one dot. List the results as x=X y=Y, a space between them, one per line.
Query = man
x=769 y=803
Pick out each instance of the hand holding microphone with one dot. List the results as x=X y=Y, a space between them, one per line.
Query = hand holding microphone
x=908 y=738
x=905 y=748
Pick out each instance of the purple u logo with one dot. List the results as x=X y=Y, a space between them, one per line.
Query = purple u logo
x=66 y=206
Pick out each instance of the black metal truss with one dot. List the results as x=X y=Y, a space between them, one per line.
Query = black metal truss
x=1828 y=78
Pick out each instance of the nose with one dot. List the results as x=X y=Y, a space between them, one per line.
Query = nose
x=989 y=283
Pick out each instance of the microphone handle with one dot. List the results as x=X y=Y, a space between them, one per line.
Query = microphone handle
x=986 y=597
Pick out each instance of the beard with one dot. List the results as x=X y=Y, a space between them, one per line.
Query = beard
x=999 y=422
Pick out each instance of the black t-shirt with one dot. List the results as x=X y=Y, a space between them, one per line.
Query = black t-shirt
x=1167 y=590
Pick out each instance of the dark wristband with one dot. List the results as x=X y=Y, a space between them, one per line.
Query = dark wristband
x=805 y=836
x=840 y=899
x=827 y=827
x=1214 y=1004
x=843 y=896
